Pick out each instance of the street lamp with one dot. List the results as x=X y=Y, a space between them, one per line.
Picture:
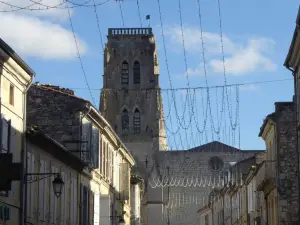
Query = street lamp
x=58 y=184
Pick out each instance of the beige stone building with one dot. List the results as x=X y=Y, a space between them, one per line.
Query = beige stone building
x=44 y=156
x=104 y=185
x=235 y=203
x=15 y=78
x=267 y=191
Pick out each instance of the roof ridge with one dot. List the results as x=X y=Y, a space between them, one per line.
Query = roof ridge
x=61 y=92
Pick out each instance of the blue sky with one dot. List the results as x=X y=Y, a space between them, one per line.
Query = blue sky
x=256 y=35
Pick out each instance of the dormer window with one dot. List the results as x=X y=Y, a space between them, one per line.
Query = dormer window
x=125 y=74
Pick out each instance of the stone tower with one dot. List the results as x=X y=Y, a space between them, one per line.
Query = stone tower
x=130 y=99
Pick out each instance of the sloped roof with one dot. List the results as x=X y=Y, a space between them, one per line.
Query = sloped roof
x=8 y=50
x=292 y=49
x=214 y=146
x=271 y=116
x=39 y=138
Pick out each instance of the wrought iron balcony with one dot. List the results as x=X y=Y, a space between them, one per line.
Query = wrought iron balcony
x=130 y=32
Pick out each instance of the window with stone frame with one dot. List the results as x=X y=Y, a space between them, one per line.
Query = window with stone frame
x=125 y=73
x=137 y=121
x=125 y=120
x=136 y=72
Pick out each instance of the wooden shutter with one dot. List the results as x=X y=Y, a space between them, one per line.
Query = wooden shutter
x=63 y=200
x=75 y=209
x=116 y=172
x=6 y=128
x=32 y=188
x=95 y=147
x=99 y=152
x=45 y=194
x=55 y=201
x=29 y=168
x=86 y=139
x=92 y=207
x=71 y=200
x=96 y=209
x=104 y=210
x=52 y=196
x=124 y=181
x=81 y=205
x=41 y=192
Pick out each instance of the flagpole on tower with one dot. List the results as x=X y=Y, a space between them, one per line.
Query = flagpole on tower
x=148 y=18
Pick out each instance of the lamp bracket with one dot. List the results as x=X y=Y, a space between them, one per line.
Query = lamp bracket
x=34 y=177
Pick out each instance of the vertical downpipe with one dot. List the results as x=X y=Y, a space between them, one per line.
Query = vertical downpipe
x=23 y=191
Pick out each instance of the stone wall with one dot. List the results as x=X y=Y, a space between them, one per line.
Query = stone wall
x=55 y=112
x=183 y=203
x=287 y=163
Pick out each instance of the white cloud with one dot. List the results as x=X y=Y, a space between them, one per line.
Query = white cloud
x=193 y=42
x=193 y=72
x=37 y=8
x=240 y=58
x=34 y=33
x=247 y=60
x=249 y=87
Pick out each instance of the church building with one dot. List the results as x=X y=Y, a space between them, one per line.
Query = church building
x=179 y=182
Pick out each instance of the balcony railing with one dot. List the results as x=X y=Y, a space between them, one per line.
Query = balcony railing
x=129 y=31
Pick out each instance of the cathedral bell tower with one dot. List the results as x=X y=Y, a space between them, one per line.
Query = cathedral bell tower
x=131 y=100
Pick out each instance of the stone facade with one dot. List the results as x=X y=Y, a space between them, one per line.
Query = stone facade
x=56 y=112
x=268 y=190
x=171 y=204
x=80 y=127
x=287 y=165
x=234 y=204
x=131 y=84
x=15 y=78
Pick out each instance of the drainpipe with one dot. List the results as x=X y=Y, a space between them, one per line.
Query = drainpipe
x=23 y=191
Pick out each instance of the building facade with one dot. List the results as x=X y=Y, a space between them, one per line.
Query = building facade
x=131 y=102
x=267 y=192
x=15 y=78
x=45 y=155
x=77 y=125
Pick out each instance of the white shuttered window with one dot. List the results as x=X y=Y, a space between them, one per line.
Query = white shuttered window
x=29 y=170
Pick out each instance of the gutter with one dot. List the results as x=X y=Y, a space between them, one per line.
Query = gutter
x=23 y=191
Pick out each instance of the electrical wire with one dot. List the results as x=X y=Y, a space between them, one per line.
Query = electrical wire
x=78 y=54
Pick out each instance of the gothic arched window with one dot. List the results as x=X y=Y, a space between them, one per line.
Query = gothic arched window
x=136 y=72
x=125 y=120
x=137 y=121
x=125 y=73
